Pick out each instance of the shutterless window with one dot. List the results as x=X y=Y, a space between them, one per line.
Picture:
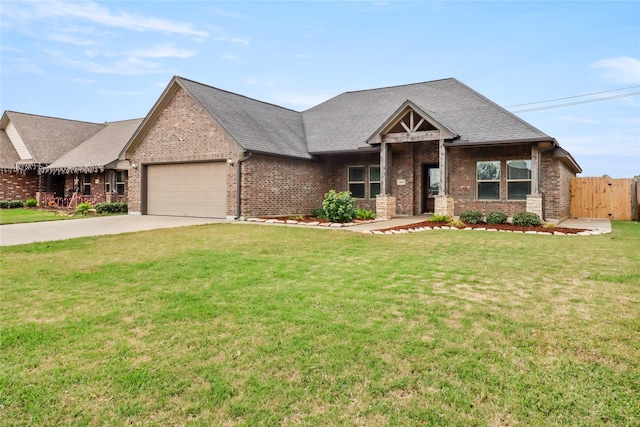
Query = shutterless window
x=518 y=179
x=356 y=181
x=374 y=181
x=86 y=184
x=488 y=179
x=120 y=183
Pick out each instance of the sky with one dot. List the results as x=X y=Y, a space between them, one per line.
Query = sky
x=103 y=61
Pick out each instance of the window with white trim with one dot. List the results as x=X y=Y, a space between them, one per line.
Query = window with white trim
x=356 y=181
x=518 y=179
x=488 y=180
x=374 y=181
x=86 y=184
x=120 y=181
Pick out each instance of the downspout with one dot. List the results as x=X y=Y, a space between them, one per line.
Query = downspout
x=239 y=184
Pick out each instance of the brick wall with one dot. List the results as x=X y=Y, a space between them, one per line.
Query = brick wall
x=17 y=186
x=273 y=186
x=462 y=177
x=182 y=132
x=555 y=178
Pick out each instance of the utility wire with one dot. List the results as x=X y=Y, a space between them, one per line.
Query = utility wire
x=571 y=97
x=567 y=104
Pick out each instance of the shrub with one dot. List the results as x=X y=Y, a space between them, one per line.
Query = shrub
x=30 y=203
x=364 y=214
x=471 y=217
x=439 y=218
x=111 y=208
x=11 y=204
x=526 y=219
x=456 y=223
x=496 y=218
x=339 y=207
x=319 y=213
x=83 y=208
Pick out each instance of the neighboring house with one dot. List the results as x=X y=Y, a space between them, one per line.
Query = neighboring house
x=437 y=146
x=58 y=161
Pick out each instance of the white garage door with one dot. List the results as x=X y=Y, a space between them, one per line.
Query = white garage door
x=187 y=189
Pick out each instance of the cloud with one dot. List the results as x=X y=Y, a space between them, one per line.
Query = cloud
x=98 y=14
x=63 y=38
x=128 y=65
x=229 y=57
x=235 y=40
x=622 y=69
x=163 y=51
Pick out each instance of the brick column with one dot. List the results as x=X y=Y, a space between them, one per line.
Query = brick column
x=385 y=206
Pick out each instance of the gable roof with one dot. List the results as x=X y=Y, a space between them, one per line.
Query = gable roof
x=97 y=152
x=46 y=138
x=8 y=154
x=345 y=122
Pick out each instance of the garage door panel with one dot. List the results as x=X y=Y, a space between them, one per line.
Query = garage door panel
x=187 y=189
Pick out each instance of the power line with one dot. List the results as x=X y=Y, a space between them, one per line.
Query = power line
x=567 y=104
x=571 y=97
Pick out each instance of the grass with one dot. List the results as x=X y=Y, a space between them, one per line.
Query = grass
x=253 y=325
x=18 y=216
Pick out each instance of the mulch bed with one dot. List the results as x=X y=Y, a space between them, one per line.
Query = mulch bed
x=506 y=227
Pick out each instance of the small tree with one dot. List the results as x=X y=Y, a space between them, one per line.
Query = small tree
x=339 y=207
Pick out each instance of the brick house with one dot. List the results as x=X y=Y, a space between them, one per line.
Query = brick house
x=437 y=146
x=59 y=161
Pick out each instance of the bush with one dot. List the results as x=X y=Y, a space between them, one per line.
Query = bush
x=30 y=203
x=83 y=208
x=339 y=207
x=11 y=204
x=496 y=218
x=364 y=214
x=319 y=213
x=526 y=219
x=111 y=208
x=471 y=217
x=439 y=218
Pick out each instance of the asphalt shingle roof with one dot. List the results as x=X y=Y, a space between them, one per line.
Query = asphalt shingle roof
x=8 y=154
x=257 y=126
x=48 y=138
x=98 y=151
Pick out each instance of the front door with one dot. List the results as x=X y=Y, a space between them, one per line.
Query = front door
x=430 y=187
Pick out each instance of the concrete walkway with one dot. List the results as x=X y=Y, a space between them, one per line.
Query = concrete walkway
x=18 y=234
x=603 y=225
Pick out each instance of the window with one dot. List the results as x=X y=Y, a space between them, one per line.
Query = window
x=120 y=183
x=374 y=181
x=86 y=184
x=488 y=179
x=356 y=181
x=518 y=179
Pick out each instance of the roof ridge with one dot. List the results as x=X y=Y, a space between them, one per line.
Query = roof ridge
x=238 y=94
x=55 y=118
x=401 y=85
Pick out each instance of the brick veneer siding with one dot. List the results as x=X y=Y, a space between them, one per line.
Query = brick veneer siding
x=273 y=186
x=18 y=186
x=182 y=132
x=462 y=177
x=555 y=180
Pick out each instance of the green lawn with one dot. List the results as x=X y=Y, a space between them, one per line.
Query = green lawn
x=16 y=216
x=251 y=325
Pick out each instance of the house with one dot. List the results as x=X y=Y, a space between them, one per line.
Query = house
x=58 y=161
x=437 y=146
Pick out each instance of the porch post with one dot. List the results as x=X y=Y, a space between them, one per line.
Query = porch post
x=385 y=168
x=444 y=203
x=535 y=169
x=385 y=202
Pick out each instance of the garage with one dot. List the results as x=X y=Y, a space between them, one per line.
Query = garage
x=187 y=189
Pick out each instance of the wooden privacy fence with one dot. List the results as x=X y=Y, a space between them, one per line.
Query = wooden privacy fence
x=604 y=197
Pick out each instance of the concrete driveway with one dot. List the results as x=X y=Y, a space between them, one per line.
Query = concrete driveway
x=18 y=234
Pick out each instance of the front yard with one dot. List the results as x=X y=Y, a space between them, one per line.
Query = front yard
x=236 y=324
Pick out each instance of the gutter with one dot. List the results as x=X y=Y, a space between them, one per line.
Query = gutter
x=239 y=184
